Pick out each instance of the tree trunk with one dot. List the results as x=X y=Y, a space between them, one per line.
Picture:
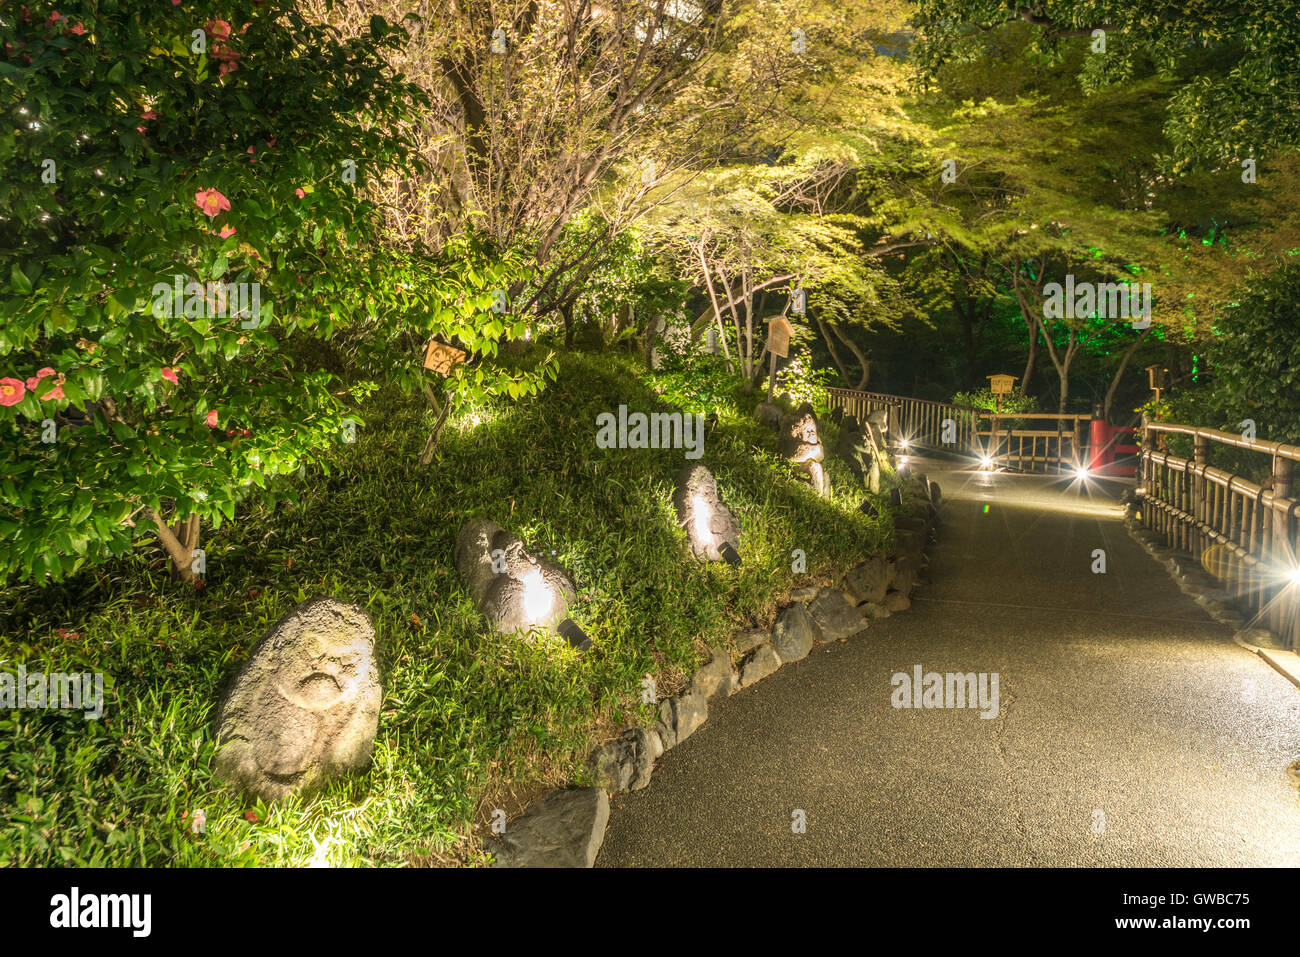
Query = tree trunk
x=1119 y=373
x=1033 y=357
x=857 y=353
x=566 y=312
x=830 y=345
x=180 y=543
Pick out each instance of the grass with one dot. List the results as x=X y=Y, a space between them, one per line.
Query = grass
x=470 y=720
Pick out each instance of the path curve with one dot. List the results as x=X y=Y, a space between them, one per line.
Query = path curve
x=1132 y=730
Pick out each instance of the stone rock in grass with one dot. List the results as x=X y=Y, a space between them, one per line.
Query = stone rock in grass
x=716 y=678
x=626 y=763
x=806 y=593
x=680 y=717
x=304 y=707
x=708 y=522
x=856 y=449
x=869 y=580
x=514 y=590
x=835 y=615
x=800 y=442
x=560 y=829
x=794 y=633
x=760 y=663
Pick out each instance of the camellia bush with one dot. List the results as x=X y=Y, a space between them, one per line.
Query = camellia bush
x=182 y=206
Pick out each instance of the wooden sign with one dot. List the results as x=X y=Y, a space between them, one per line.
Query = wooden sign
x=778 y=337
x=440 y=358
x=1002 y=384
x=1156 y=377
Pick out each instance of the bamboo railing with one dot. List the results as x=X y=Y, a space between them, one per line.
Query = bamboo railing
x=1243 y=532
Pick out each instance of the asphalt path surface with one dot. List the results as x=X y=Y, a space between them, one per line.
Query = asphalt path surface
x=1130 y=731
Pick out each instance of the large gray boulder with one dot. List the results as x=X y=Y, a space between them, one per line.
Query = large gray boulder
x=835 y=615
x=868 y=581
x=758 y=664
x=794 y=633
x=711 y=529
x=560 y=829
x=717 y=678
x=304 y=707
x=680 y=717
x=515 y=590
x=626 y=763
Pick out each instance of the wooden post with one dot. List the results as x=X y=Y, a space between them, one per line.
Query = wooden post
x=771 y=376
x=1200 y=458
x=1283 y=616
x=1147 y=473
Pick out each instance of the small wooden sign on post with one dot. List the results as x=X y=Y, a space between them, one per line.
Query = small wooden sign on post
x=1156 y=379
x=778 y=344
x=1000 y=385
x=440 y=358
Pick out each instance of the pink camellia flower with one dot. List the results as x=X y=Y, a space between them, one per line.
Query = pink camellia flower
x=56 y=393
x=148 y=115
x=226 y=232
x=211 y=420
x=176 y=3
x=11 y=391
x=299 y=193
x=211 y=202
x=55 y=17
x=218 y=29
x=77 y=28
x=169 y=374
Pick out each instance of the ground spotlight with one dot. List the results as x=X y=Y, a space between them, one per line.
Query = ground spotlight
x=986 y=462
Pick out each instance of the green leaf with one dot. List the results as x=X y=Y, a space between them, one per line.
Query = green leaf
x=18 y=279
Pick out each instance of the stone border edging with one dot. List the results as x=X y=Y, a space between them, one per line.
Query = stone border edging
x=565 y=827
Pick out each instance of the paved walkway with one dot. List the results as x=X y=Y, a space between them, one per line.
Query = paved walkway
x=1132 y=730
